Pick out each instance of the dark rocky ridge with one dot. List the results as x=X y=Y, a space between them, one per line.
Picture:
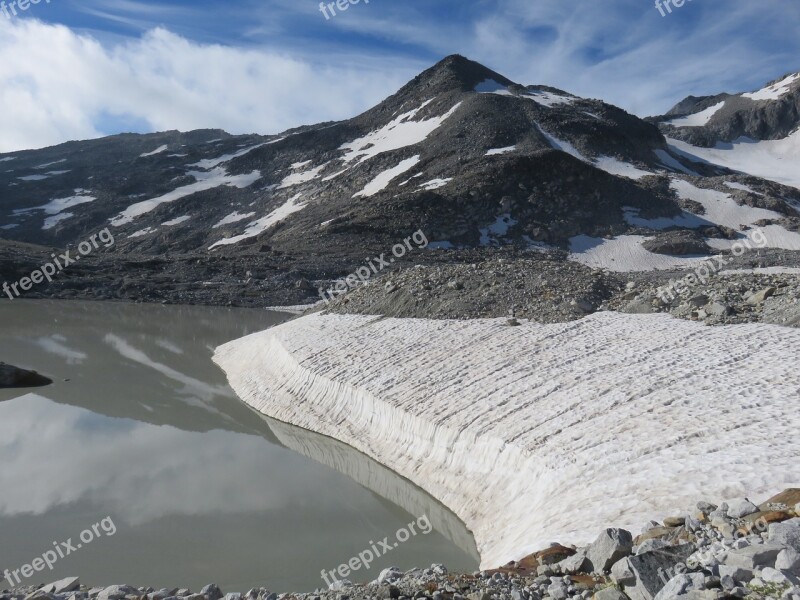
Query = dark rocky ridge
x=739 y=117
x=541 y=193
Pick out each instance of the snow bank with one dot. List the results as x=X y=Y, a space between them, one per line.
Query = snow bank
x=539 y=433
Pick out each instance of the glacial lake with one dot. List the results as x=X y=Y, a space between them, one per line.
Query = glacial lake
x=140 y=427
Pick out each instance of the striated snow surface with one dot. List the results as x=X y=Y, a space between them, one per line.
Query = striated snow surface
x=541 y=433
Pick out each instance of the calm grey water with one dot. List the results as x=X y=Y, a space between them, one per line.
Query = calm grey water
x=140 y=426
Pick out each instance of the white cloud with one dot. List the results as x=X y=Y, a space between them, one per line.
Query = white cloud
x=56 y=85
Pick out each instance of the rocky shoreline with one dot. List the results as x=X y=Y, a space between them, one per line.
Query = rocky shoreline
x=733 y=550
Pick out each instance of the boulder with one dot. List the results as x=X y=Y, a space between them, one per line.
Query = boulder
x=786 y=534
x=577 y=563
x=610 y=593
x=390 y=575
x=212 y=591
x=678 y=243
x=680 y=584
x=14 y=377
x=622 y=574
x=788 y=497
x=117 y=592
x=761 y=296
x=738 y=574
x=753 y=557
x=62 y=586
x=741 y=508
x=788 y=561
x=652 y=544
x=609 y=547
x=653 y=570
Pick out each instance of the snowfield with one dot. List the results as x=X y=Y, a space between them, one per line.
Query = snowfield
x=777 y=160
x=541 y=433
x=623 y=254
x=775 y=91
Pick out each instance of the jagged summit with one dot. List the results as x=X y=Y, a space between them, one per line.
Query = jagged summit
x=456 y=72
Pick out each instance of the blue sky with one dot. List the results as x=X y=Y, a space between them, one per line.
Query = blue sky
x=76 y=69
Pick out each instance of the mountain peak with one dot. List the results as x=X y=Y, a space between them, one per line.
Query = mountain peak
x=456 y=72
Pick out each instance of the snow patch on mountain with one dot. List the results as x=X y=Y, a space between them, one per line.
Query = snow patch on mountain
x=435 y=184
x=51 y=222
x=205 y=181
x=721 y=208
x=623 y=254
x=497 y=151
x=55 y=208
x=256 y=228
x=400 y=132
x=562 y=145
x=234 y=217
x=685 y=219
x=210 y=163
x=775 y=91
x=777 y=160
x=741 y=187
x=548 y=99
x=142 y=232
x=614 y=166
x=542 y=97
x=494 y=234
x=177 y=221
x=302 y=177
x=698 y=119
x=668 y=161
x=158 y=150
x=775 y=235
x=382 y=181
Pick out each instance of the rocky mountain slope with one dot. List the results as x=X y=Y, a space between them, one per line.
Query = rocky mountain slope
x=480 y=165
